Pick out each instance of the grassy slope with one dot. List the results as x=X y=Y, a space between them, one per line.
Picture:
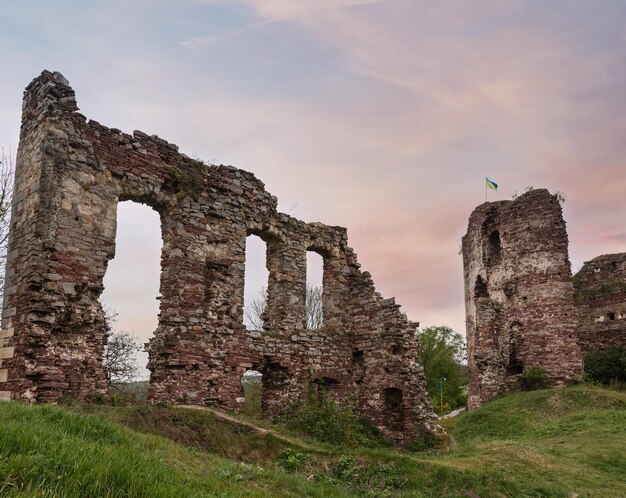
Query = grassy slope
x=50 y=451
x=558 y=443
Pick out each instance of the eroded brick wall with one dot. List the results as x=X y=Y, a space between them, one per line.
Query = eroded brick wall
x=519 y=297
x=70 y=175
x=601 y=299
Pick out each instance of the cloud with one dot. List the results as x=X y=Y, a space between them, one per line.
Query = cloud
x=382 y=116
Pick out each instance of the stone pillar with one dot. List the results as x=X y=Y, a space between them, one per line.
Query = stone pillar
x=286 y=300
x=62 y=235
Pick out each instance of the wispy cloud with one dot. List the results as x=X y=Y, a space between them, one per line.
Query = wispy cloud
x=382 y=116
x=205 y=40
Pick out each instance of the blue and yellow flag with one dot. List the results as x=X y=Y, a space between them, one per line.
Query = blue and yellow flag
x=491 y=185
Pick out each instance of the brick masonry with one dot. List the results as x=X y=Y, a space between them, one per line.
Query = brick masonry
x=70 y=175
x=519 y=295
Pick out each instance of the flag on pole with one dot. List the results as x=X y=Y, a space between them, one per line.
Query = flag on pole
x=491 y=185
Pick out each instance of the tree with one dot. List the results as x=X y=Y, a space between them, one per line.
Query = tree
x=254 y=314
x=606 y=365
x=6 y=193
x=120 y=358
x=314 y=308
x=442 y=353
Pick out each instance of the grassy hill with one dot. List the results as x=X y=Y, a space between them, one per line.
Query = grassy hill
x=554 y=443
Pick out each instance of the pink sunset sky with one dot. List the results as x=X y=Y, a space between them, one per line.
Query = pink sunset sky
x=381 y=116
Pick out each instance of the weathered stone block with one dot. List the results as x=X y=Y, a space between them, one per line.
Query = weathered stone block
x=6 y=353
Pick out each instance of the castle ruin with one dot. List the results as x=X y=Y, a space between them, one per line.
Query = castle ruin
x=71 y=173
x=600 y=292
x=523 y=308
x=519 y=295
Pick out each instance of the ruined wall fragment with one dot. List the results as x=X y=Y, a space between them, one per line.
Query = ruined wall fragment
x=600 y=288
x=70 y=175
x=519 y=297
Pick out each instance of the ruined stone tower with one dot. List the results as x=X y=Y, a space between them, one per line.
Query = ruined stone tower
x=70 y=175
x=600 y=288
x=519 y=296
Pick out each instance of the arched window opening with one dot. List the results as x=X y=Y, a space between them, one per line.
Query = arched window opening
x=494 y=247
x=131 y=284
x=255 y=283
x=393 y=409
x=480 y=289
x=314 y=290
x=252 y=384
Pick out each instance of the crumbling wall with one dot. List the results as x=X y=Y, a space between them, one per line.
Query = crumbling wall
x=519 y=297
x=600 y=288
x=70 y=175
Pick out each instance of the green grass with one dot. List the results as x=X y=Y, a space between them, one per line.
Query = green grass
x=552 y=443
x=48 y=451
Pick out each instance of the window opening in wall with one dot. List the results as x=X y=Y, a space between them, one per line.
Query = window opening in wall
x=131 y=283
x=314 y=290
x=394 y=409
x=358 y=365
x=255 y=283
x=515 y=365
x=480 y=289
x=611 y=315
x=495 y=247
x=252 y=384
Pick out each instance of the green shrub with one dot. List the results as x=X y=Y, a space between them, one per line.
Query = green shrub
x=607 y=365
x=292 y=459
x=330 y=422
x=535 y=378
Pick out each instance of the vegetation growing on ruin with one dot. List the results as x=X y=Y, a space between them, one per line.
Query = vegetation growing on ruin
x=329 y=421
x=535 y=378
x=185 y=181
x=605 y=287
x=554 y=443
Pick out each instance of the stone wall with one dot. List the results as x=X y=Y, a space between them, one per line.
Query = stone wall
x=70 y=175
x=601 y=299
x=519 y=296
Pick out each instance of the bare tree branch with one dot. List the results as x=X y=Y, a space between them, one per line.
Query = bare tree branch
x=6 y=194
x=120 y=357
x=254 y=313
